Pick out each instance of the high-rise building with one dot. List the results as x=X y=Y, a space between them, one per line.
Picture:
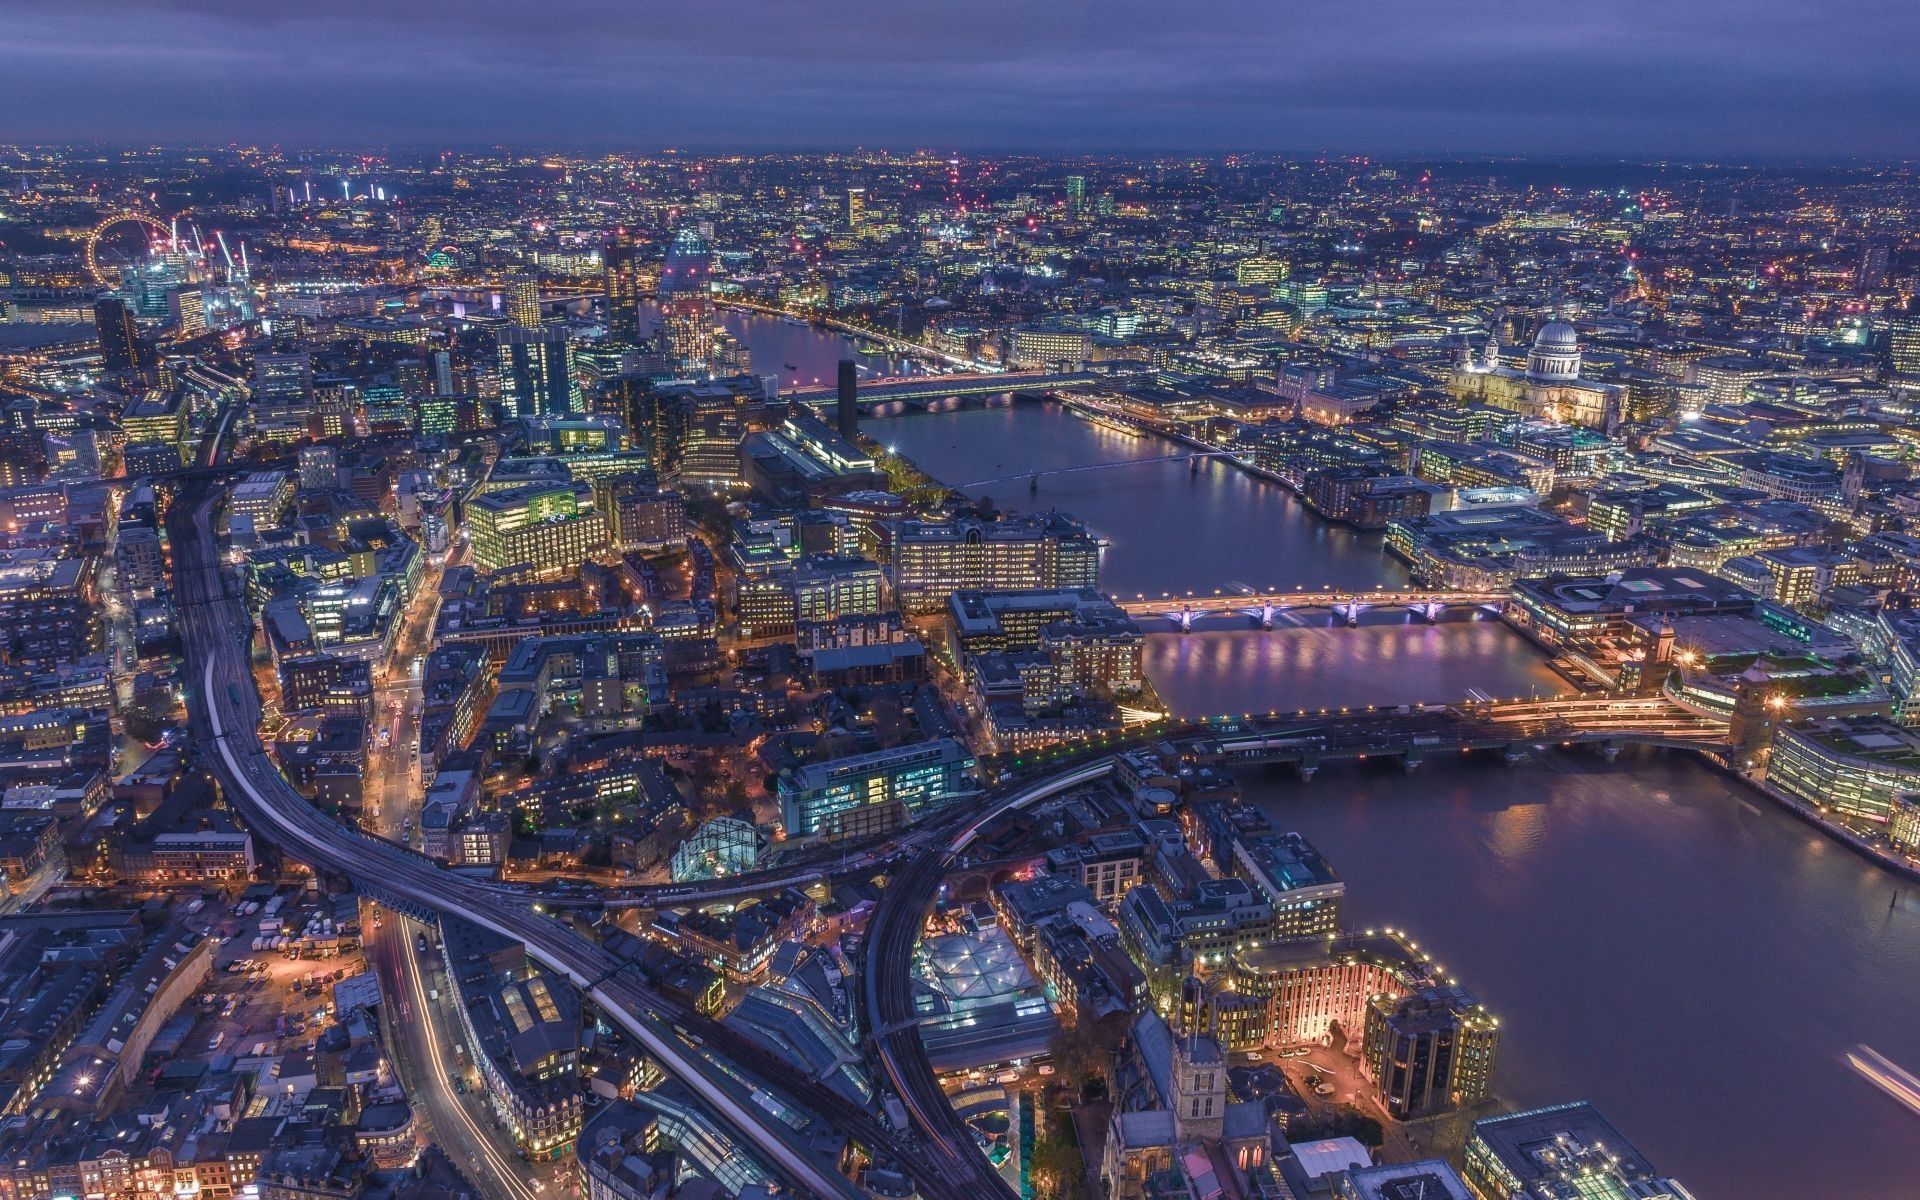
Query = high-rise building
x=847 y=402
x=283 y=380
x=120 y=347
x=187 y=311
x=856 y=207
x=686 y=304
x=716 y=421
x=1904 y=342
x=620 y=275
x=537 y=373
x=442 y=373
x=1076 y=194
x=523 y=301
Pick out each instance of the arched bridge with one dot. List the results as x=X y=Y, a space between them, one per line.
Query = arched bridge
x=1263 y=605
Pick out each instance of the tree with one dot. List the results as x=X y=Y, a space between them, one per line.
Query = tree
x=1055 y=1165
x=1083 y=1052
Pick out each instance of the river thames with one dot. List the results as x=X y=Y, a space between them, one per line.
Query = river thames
x=1654 y=938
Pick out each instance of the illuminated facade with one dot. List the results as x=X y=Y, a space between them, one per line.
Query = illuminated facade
x=1561 y=1150
x=552 y=528
x=620 y=273
x=932 y=561
x=686 y=305
x=1550 y=388
x=1853 y=767
x=868 y=793
x=523 y=301
x=537 y=373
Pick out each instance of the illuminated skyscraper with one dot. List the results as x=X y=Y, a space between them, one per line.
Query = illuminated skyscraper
x=856 y=207
x=523 y=301
x=537 y=373
x=686 y=306
x=620 y=270
x=284 y=379
x=1904 y=342
x=1076 y=193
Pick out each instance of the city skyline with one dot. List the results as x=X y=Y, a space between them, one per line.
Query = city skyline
x=1626 y=78
x=1166 y=664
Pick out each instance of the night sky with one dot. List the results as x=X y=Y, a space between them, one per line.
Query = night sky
x=1588 y=77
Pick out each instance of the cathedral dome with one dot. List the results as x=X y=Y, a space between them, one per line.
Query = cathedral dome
x=1556 y=352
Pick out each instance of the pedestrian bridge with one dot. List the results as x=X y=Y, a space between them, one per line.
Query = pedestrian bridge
x=938 y=387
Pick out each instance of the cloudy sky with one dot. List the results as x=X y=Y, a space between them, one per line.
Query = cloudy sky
x=1693 y=77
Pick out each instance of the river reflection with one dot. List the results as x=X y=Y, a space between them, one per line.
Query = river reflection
x=1656 y=940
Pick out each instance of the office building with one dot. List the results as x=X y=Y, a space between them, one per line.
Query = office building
x=1430 y=1051
x=121 y=351
x=1560 y=1151
x=856 y=207
x=932 y=561
x=709 y=421
x=549 y=528
x=283 y=380
x=870 y=793
x=522 y=301
x=686 y=305
x=262 y=497
x=537 y=372
x=1295 y=880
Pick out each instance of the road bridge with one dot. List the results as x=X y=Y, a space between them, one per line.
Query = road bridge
x=1307 y=739
x=1265 y=604
x=936 y=387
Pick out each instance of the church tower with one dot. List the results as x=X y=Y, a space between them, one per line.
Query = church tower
x=1199 y=1090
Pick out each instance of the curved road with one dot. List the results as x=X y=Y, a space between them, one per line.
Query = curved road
x=225 y=714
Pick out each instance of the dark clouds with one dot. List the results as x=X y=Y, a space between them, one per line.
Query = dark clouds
x=1698 y=77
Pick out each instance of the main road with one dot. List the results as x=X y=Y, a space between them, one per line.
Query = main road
x=224 y=712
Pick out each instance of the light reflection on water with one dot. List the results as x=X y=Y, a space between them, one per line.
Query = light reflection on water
x=1653 y=938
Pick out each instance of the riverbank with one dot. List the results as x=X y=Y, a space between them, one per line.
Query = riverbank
x=1866 y=848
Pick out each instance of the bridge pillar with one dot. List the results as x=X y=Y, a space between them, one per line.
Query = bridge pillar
x=1432 y=610
x=1515 y=752
x=1610 y=750
x=1266 y=616
x=1411 y=760
x=1186 y=620
x=1308 y=764
x=1351 y=610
